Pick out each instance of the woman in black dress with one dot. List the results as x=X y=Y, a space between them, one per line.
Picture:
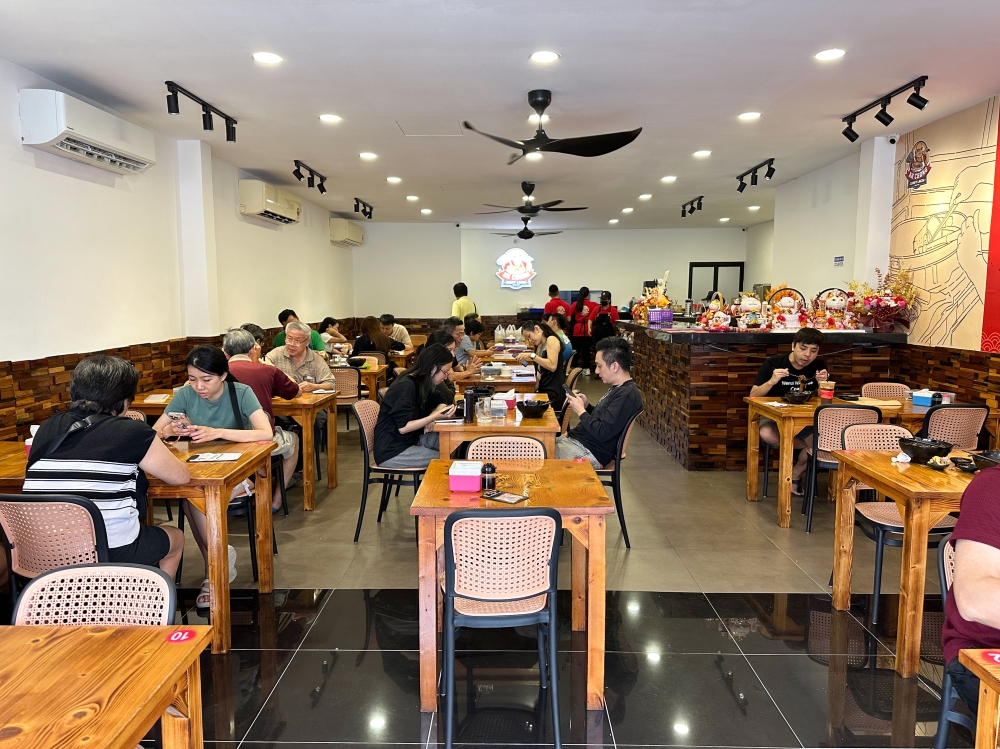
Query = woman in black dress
x=548 y=361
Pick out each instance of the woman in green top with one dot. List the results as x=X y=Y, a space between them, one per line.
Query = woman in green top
x=205 y=410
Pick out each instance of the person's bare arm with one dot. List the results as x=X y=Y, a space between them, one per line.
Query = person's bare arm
x=164 y=465
x=761 y=390
x=976 y=586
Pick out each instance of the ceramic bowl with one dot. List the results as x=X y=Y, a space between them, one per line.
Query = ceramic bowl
x=797 y=397
x=921 y=450
x=986 y=459
x=532 y=409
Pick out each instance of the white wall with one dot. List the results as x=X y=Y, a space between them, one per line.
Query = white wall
x=264 y=267
x=760 y=251
x=407 y=269
x=618 y=260
x=815 y=219
x=88 y=259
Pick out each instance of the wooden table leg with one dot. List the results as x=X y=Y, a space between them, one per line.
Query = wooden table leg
x=843 y=540
x=596 y=571
x=181 y=723
x=308 y=464
x=836 y=676
x=223 y=698
x=427 y=593
x=265 y=531
x=331 y=448
x=753 y=450
x=904 y=712
x=916 y=523
x=986 y=721
x=578 y=559
x=786 y=449
x=445 y=446
x=218 y=565
x=549 y=440
x=578 y=688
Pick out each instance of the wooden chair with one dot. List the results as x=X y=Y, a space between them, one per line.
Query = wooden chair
x=611 y=474
x=573 y=376
x=885 y=391
x=881 y=521
x=501 y=570
x=949 y=695
x=506 y=447
x=116 y=595
x=418 y=340
x=366 y=412
x=43 y=532
x=957 y=423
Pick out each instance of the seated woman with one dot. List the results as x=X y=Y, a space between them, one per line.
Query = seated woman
x=106 y=460
x=411 y=405
x=372 y=339
x=329 y=331
x=548 y=361
x=558 y=324
x=213 y=406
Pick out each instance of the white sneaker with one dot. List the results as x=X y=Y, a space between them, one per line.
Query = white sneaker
x=587 y=372
x=232 y=563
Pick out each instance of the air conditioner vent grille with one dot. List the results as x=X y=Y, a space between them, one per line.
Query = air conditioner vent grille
x=99 y=154
x=277 y=217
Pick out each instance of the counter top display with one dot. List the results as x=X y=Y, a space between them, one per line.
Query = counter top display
x=698 y=336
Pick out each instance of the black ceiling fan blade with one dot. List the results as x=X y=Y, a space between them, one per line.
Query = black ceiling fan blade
x=579 y=208
x=500 y=234
x=545 y=206
x=506 y=141
x=488 y=213
x=508 y=207
x=546 y=233
x=591 y=145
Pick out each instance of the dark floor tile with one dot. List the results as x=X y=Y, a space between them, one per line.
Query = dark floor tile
x=860 y=707
x=692 y=700
x=665 y=623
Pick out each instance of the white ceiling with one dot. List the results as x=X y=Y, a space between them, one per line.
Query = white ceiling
x=681 y=69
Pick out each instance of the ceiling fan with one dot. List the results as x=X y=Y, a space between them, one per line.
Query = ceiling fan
x=529 y=209
x=587 y=145
x=526 y=233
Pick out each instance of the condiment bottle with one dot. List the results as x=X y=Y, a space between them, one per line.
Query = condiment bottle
x=489 y=476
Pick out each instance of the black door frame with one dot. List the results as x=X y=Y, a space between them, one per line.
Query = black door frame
x=715 y=275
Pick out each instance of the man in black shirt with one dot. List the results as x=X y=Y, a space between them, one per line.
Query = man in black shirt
x=781 y=373
x=596 y=436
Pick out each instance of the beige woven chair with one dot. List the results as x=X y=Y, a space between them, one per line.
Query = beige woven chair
x=349 y=391
x=949 y=695
x=885 y=391
x=956 y=423
x=117 y=595
x=376 y=356
x=418 y=340
x=45 y=532
x=506 y=447
x=501 y=570
x=573 y=376
x=134 y=415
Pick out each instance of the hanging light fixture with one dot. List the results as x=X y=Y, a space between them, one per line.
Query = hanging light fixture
x=752 y=171
x=207 y=110
x=882 y=103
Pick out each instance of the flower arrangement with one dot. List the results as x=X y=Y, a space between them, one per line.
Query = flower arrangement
x=890 y=302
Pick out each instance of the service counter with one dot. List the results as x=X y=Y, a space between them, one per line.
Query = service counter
x=693 y=383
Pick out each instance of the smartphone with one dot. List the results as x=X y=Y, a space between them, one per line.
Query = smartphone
x=569 y=391
x=177 y=416
x=506 y=497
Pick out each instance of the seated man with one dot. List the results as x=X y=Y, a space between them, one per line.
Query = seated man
x=315 y=340
x=256 y=353
x=455 y=327
x=394 y=330
x=266 y=383
x=781 y=373
x=596 y=436
x=303 y=365
x=972 y=610
x=470 y=343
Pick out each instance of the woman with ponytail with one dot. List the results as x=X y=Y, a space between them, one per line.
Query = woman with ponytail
x=581 y=316
x=548 y=360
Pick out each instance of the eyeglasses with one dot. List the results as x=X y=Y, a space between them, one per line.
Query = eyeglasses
x=296 y=341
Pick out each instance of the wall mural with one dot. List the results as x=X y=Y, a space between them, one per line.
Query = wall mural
x=941 y=215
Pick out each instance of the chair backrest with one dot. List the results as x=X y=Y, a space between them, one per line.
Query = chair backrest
x=348 y=381
x=501 y=555
x=397 y=371
x=48 y=531
x=831 y=420
x=134 y=415
x=119 y=595
x=366 y=412
x=564 y=418
x=418 y=340
x=958 y=424
x=506 y=447
x=374 y=356
x=573 y=376
x=572 y=358
x=885 y=390
x=382 y=392
x=946 y=566
x=872 y=436
x=623 y=444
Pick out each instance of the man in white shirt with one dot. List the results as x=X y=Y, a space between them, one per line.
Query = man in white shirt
x=394 y=330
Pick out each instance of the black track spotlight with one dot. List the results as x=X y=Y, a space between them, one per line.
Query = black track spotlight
x=311 y=182
x=313 y=175
x=770 y=171
x=363 y=208
x=297 y=173
x=230 y=131
x=684 y=211
x=883 y=116
x=752 y=172
x=742 y=186
x=321 y=187
x=916 y=100
x=699 y=203
x=357 y=205
x=753 y=178
x=207 y=110
x=849 y=133
x=173 y=103
x=206 y=119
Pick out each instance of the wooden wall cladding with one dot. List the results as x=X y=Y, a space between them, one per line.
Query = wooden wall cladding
x=974 y=376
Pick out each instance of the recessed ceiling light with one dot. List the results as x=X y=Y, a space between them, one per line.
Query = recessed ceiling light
x=368 y=155
x=753 y=208
x=723 y=220
x=425 y=211
x=653 y=657
x=750 y=116
x=377 y=722
x=533 y=119
x=412 y=197
x=830 y=54
x=268 y=58
x=633 y=607
x=613 y=221
x=329 y=118
x=702 y=154
x=534 y=156
x=627 y=210
x=544 y=56
x=669 y=179
x=393 y=180
x=645 y=196
x=681 y=728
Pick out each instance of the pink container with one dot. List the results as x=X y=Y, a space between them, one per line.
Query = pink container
x=510 y=403
x=465 y=476
x=27 y=446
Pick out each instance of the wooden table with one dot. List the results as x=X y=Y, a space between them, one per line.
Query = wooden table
x=791 y=419
x=923 y=496
x=209 y=490
x=545 y=429
x=986 y=665
x=502 y=384
x=402 y=358
x=100 y=686
x=371 y=377
x=571 y=488
x=303 y=411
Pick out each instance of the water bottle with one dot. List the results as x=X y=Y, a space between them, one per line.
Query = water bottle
x=470 y=406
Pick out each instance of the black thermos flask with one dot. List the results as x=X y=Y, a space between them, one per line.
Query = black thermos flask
x=470 y=406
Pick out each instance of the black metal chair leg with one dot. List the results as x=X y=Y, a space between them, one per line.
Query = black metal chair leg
x=553 y=680
x=361 y=512
x=616 y=491
x=767 y=465
x=170 y=512
x=877 y=587
x=541 y=655
x=448 y=675
x=386 y=493
x=252 y=531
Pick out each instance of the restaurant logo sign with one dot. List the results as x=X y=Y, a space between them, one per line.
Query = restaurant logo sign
x=918 y=165
x=515 y=271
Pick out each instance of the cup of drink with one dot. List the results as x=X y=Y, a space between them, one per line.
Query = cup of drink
x=826 y=390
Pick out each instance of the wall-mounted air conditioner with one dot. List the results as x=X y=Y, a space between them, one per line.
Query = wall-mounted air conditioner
x=60 y=124
x=268 y=202
x=346 y=232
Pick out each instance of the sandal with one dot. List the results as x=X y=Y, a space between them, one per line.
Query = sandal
x=797 y=488
x=203 y=601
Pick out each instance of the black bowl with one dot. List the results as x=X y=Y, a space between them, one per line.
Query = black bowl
x=921 y=450
x=532 y=409
x=356 y=361
x=483 y=391
x=986 y=459
x=964 y=464
x=798 y=397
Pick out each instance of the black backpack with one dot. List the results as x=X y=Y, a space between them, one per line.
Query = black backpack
x=603 y=327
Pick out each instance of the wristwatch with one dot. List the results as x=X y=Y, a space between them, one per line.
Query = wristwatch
x=532 y=355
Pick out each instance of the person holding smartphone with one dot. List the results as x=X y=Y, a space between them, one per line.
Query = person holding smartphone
x=548 y=360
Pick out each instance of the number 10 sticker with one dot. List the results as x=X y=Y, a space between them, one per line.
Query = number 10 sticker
x=992 y=656
x=181 y=635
